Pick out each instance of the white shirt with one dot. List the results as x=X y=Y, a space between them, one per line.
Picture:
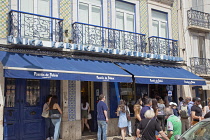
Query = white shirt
x=86 y=107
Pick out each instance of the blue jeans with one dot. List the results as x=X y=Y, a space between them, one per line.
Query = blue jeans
x=56 y=123
x=102 y=126
x=49 y=128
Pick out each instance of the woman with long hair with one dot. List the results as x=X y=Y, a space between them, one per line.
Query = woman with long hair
x=49 y=127
x=54 y=108
x=161 y=114
x=122 y=123
x=85 y=110
x=137 y=109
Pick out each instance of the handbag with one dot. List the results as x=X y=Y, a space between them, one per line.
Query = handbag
x=54 y=114
x=128 y=115
x=45 y=114
x=89 y=116
x=144 y=130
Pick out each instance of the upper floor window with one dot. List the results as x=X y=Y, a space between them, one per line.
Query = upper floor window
x=198 y=46
x=125 y=15
x=41 y=7
x=90 y=12
x=197 y=5
x=159 y=24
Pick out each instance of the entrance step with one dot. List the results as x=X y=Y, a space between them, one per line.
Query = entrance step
x=89 y=137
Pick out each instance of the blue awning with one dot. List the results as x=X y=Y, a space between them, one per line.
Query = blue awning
x=149 y=74
x=18 y=65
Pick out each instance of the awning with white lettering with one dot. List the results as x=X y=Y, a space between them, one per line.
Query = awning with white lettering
x=19 y=65
x=150 y=74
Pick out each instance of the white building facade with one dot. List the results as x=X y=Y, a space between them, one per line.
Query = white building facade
x=79 y=49
x=194 y=43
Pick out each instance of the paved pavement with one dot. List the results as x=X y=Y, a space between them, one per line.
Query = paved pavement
x=111 y=138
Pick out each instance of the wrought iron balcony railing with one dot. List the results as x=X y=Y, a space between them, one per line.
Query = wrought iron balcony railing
x=34 y=26
x=197 y=18
x=159 y=45
x=200 y=66
x=86 y=34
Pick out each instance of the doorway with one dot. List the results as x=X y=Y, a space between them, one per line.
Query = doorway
x=89 y=93
x=24 y=99
x=157 y=90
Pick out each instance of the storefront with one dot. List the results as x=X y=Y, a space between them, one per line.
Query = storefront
x=29 y=78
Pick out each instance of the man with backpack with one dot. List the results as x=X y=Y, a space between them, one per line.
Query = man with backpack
x=184 y=115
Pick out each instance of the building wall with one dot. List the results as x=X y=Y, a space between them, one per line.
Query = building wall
x=65 y=11
x=70 y=90
x=174 y=21
x=4 y=9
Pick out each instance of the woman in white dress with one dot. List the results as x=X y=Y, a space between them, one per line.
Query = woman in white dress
x=122 y=123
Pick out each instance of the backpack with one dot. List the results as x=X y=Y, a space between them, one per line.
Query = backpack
x=184 y=112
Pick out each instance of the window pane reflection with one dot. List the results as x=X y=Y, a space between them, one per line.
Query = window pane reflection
x=52 y=87
x=10 y=93
x=33 y=92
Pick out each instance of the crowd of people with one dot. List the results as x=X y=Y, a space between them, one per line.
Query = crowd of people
x=156 y=118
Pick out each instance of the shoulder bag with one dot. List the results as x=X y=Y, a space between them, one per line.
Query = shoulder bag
x=45 y=113
x=140 y=138
x=128 y=114
x=55 y=114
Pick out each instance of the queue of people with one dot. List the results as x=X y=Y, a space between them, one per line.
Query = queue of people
x=154 y=117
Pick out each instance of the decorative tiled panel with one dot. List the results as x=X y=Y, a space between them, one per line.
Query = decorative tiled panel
x=72 y=100
x=66 y=10
x=144 y=17
x=4 y=9
x=174 y=21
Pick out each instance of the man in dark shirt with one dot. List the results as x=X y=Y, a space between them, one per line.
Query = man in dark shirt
x=102 y=118
x=147 y=106
x=196 y=111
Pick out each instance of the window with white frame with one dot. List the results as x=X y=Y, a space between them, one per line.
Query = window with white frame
x=159 y=24
x=125 y=16
x=198 y=5
x=90 y=12
x=198 y=46
x=41 y=7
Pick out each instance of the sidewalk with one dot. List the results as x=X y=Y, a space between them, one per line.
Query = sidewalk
x=111 y=138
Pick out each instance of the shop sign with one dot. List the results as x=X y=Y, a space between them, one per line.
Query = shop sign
x=105 y=78
x=189 y=82
x=46 y=74
x=156 y=81
x=169 y=93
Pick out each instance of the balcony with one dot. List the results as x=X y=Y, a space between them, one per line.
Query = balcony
x=198 y=20
x=163 y=46
x=34 y=26
x=92 y=35
x=200 y=66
